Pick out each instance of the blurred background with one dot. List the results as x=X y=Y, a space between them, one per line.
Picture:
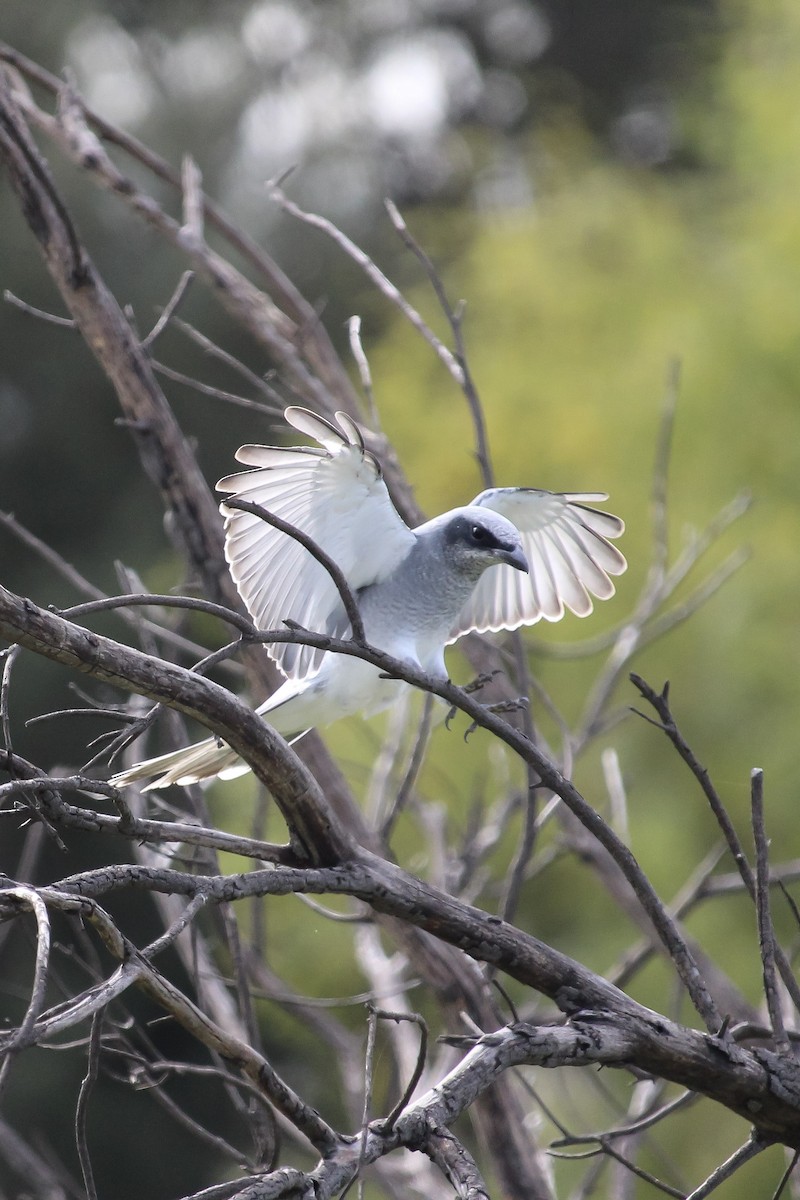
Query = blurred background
x=609 y=187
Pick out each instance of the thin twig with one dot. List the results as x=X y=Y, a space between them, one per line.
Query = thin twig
x=732 y=882
x=364 y=373
x=209 y=347
x=330 y=914
x=108 y=714
x=617 y=796
x=766 y=929
x=369 y=1081
x=375 y=276
x=777 y=877
x=28 y=897
x=8 y=657
x=192 y=189
x=786 y=1176
x=39 y=313
x=81 y=1109
x=406 y=785
x=666 y=722
x=218 y=1144
x=640 y=1173
x=752 y=1147
x=530 y=829
x=695 y=888
x=660 y=485
x=700 y=542
x=455 y=320
x=152 y=599
x=169 y=310
x=389 y=1122
x=207 y=389
x=638 y=1126
x=663 y=623
x=609 y=1150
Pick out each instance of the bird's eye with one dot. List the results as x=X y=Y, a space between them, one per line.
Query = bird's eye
x=478 y=533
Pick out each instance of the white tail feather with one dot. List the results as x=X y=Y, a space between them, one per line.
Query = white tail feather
x=206 y=760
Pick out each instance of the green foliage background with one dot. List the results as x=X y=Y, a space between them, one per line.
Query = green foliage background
x=575 y=307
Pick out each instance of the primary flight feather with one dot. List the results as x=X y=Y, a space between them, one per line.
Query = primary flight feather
x=509 y=558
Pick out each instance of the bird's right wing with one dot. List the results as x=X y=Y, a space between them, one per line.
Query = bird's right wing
x=570 y=559
x=336 y=495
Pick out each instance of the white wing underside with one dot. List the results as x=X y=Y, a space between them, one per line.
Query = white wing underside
x=337 y=496
x=569 y=558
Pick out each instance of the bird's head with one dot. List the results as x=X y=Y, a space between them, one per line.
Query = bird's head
x=476 y=538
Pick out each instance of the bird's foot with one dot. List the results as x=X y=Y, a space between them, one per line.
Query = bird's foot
x=480 y=681
x=474 y=685
x=502 y=706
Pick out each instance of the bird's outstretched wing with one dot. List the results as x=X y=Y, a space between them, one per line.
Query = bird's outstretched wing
x=570 y=559
x=337 y=496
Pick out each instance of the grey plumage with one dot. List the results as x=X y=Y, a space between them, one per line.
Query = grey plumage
x=511 y=557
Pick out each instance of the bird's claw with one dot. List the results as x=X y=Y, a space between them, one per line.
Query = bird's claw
x=480 y=681
x=502 y=706
x=474 y=685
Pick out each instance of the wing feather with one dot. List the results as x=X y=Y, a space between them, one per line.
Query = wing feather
x=570 y=559
x=337 y=496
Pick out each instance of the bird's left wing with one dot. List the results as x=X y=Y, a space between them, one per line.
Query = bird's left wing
x=570 y=559
x=337 y=496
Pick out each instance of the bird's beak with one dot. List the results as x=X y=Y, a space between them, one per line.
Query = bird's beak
x=516 y=559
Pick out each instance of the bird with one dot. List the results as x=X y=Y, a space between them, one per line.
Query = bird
x=512 y=556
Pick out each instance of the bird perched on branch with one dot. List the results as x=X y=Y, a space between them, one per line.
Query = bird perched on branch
x=511 y=557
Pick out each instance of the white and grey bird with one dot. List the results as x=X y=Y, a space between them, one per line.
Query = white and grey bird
x=509 y=558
